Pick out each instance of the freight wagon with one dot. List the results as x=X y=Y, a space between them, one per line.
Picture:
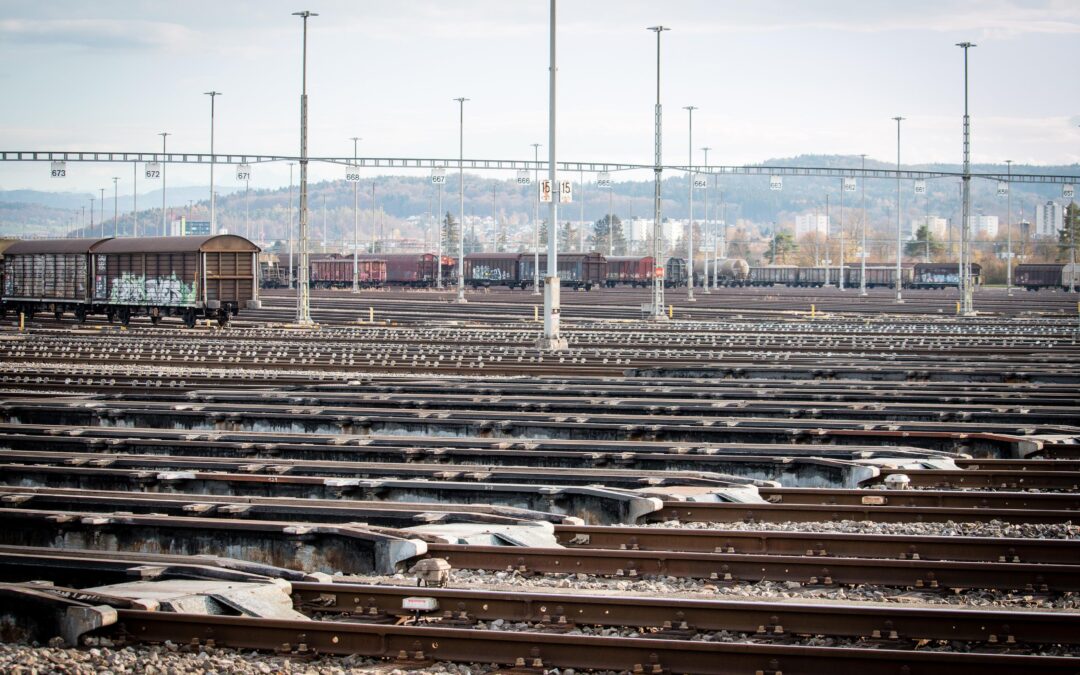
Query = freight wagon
x=726 y=272
x=338 y=273
x=942 y=275
x=484 y=270
x=878 y=275
x=416 y=270
x=675 y=272
x=774 y=275
x=629 y=271
x=189 y=277
x=576 y=270
x=1035 y=275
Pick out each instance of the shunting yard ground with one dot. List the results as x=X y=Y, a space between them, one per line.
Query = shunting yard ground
x=750 y=487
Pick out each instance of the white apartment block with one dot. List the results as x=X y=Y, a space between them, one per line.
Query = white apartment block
x=1049 y=219
x=812 y=222
x=981 y=224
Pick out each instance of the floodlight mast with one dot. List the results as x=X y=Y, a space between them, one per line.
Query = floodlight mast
x=657 y=313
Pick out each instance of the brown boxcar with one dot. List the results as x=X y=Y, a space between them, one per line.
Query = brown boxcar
x=629 y=270
x=338 y=272
x=493 y=269
x=407 y=269
x=211 y=276
x=576 y=270
x=1034 y=276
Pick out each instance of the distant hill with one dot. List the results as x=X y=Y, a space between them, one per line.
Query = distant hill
x=399 y=198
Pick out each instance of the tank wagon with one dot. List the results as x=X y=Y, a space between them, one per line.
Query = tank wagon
x=726 y=271
x=210 y=277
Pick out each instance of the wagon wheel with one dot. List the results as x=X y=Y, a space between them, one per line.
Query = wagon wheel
x=80 y=314
x=110 y=315
x=155 y=319
x=125 y=316
x=189 y=319
x=58 y=314
x=222 y=318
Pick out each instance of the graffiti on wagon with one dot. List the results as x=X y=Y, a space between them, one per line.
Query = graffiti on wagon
x=133 y=289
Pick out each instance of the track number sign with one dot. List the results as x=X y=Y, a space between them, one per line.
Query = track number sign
x=59 y=169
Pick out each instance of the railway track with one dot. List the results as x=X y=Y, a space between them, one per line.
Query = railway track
x=748 y=447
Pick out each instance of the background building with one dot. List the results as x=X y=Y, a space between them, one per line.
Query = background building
x=811 y=222
x=1049 y=219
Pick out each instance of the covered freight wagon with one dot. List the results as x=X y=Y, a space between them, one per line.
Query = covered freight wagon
x=208 y=276
x=493 y=269
x=1034 y=276
x=629 y=271
x=407 y=269
x=576 y=270
x=47 y=275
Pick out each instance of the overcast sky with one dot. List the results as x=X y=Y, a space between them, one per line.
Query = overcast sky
x=770 y=79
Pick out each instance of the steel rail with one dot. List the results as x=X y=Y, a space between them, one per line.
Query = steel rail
x=421 y=645
x=822 y=545
x=731 y=568
x=705 y=512
x=772 y=620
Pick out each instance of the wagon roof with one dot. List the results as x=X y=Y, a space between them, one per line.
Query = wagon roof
x=33 y=246
x=211 y=243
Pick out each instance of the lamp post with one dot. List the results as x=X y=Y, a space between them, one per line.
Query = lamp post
x=690 y=220
x=438 y=269
x=303 y=297
x=164 y=219
x=134 y=199
x=862 y=253
x=658 y=169
x=581 y=204
x=116 y=208
x=461 y=199
x=551 y=340
x=899 y=245
x=213 y=216
x=706 y=231
x=90 y=232
x=1008 y=228
x=292 y=278
x=842 y=235
x=536 y=221
x=356 y=221
x=966 y=307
